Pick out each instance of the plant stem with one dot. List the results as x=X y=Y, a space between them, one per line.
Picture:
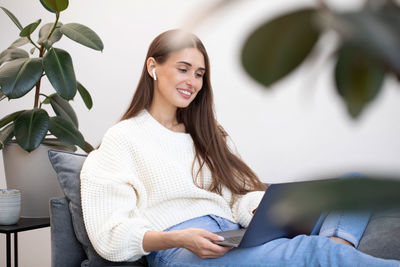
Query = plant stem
x=54 y=25
x=41 y=103
x=37 y=93
x=29 y=38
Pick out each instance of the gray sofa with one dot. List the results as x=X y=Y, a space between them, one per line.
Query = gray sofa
x=70 y=246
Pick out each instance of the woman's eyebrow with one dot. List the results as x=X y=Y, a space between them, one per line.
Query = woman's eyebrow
x=190 y=65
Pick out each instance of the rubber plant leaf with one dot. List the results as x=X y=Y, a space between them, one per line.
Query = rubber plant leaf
x=30 y=128
x=354 y=194
x=83 y=35
x=87 y=99
x=55 y=5
x=9 y=118
x=66 y=132
x=19 y=76
x=358 y=78
x=277 y=47
x=6 y=134
x=57 y=64
x=12 y=17
x=63 y=109
x=28 y=30
x=20 y=42
x=12 y=53
x=375 y=32
x=47 y=8
x=58 y=143
x=44 y=33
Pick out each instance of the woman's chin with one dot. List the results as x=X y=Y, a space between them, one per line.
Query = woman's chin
x=183 y=104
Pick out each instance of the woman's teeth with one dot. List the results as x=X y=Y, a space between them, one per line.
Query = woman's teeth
x=185 y=92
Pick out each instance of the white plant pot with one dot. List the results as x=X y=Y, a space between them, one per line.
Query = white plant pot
x=33 y=175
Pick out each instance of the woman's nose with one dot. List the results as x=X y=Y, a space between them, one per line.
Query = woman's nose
x=191 y=80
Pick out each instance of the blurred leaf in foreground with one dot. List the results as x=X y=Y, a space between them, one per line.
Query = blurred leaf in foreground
x=276 y=48
x=352 y=194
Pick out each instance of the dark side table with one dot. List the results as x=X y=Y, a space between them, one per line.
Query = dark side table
x=24 y=224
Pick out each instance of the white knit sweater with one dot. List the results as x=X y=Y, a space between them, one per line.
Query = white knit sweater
x=140 y=179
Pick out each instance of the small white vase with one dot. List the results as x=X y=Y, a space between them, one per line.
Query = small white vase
x=33 y=175
x=10 y=206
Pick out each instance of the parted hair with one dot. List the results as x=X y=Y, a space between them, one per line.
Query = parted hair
x=209 y=138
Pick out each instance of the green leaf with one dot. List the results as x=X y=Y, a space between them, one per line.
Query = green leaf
x=46 y=101
x=25 y=32
x=358 y=78
x=12 y=53
x=19 y=76
x=85 y=95
x=375 y=32
x=57 y=64
x=44 y=33
x=58 y=143
x=30 y=128
x=55 y=5
x=47 y=8
x=66 y=132
x=83 y=35
x=279 y=46
x=63 y=109
x=20 y=42
x=12 y=17
x=6 y=134
x=372 y=193
x=9 y=118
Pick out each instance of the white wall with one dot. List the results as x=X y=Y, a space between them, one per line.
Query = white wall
x=298 y=129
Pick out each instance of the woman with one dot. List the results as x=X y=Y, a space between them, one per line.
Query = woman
x=167 y=176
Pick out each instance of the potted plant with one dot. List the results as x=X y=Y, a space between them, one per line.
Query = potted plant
x=25 y=130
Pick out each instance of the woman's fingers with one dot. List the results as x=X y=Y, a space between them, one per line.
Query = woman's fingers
x=199 y=241
x=212 y=236
x=214 y=251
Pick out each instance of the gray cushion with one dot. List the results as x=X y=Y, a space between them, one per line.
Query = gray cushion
x=382 y=235
x=68 y=166
x=63 y=236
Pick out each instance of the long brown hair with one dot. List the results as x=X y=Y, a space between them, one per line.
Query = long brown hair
x=209 y=138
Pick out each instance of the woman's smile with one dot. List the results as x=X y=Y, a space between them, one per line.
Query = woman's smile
x=185 y=93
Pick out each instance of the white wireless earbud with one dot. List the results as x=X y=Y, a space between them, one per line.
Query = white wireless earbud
x=154 y=74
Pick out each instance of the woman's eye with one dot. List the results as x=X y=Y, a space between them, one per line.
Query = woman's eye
x=183 y=70
x=199 y=75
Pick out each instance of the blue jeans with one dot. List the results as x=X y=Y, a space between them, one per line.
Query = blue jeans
x=302 y=250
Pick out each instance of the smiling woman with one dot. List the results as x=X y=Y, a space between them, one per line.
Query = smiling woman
x=166 y=179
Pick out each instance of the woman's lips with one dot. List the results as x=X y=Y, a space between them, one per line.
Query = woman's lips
x=185 y=93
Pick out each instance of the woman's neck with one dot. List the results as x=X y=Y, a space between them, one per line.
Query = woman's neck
x=165 y=115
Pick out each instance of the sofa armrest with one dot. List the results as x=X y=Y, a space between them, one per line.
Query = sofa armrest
x=66 y=251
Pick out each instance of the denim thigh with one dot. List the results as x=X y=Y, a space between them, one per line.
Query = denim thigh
x=301 y=250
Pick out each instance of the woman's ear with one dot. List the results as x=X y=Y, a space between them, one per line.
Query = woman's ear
x=151 y=66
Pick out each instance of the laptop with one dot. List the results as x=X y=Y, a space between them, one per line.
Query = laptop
x=266 y=226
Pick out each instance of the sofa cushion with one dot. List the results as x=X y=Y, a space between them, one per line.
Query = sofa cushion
x=67 y=166
x=66 y=251
x=382 y=235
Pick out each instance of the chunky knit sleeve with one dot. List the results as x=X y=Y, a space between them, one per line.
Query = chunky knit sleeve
x=243 y=206
x=112 y=200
